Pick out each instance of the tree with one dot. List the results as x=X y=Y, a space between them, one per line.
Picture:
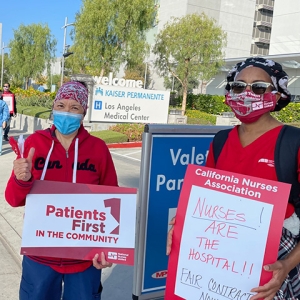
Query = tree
x=138 y=73
x=189 y=48
x=174 y=84
x=31 y=51
x=108 y=33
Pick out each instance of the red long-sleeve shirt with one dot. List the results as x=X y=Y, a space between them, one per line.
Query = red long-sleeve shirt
x=256 y=159
x=95 y=166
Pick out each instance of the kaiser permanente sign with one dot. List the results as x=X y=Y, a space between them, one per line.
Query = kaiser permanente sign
x=124 y=100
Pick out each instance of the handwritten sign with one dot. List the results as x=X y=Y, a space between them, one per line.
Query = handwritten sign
x=227 y=227
x=77 y=221
x=9 y=100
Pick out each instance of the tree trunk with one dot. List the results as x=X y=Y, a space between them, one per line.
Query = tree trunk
x=184 y=96
x=26 y=83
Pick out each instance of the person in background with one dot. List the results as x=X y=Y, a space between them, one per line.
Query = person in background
x=255 y=87
x=6 y=90
x=41 y=88
x=65 y=142
x=4 y=116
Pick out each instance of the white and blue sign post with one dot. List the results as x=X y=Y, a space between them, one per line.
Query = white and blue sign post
x=166 y=152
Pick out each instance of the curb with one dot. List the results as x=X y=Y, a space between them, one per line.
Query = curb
x=125 y=145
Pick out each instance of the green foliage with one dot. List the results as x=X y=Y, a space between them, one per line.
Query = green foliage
x=6 y=73
x=132 y=131
x=108 y=33
x=189 y=47
x=109 y=136
x=31 y=50
x=172 y=83
x=199 y=117
x=53 y=79
x=34 y=111
x=211 y=104
x=32 y=97
x=138 y=73
x=288 y=114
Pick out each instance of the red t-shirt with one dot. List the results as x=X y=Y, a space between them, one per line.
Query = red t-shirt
x=255 y=159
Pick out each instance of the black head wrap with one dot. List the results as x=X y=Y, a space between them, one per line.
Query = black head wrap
x=274 y=69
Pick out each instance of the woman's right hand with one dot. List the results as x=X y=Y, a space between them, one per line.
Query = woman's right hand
x=170 y=236
x=4 y=125
x=22 y=166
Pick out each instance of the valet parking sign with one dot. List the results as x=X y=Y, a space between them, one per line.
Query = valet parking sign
x=78 y=220
x=228 y=226
x=124 y=100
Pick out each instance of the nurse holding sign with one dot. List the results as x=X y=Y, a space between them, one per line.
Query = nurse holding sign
x=239 y=236
x=227 y=227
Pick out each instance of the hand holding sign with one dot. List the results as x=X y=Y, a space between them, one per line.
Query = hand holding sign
x=170 y=236
x=280 y=271
x=22 y=166
x=103 y=264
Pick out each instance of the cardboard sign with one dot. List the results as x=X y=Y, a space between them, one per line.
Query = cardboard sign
x=78 y=220
x=10 y=101
x=228 y=226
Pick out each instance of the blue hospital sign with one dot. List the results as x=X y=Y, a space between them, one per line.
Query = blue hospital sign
x=98 y=104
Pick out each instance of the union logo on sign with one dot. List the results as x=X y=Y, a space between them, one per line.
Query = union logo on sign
x=112 y=255
x=160 y=274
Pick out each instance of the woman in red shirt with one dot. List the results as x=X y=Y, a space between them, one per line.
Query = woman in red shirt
x=53 y=154
x=255 y=87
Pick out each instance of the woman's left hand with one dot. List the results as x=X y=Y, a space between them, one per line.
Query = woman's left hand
x=103 y=263
x=280 y=271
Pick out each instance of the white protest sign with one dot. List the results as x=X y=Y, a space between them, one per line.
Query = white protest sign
x=80 y=225
x=228 y=226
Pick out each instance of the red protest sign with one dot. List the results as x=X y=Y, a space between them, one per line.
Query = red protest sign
x=79 y=220
x=228 y=226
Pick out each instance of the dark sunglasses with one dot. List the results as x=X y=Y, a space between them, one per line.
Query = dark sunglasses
x=257 y=88
x=6 y=86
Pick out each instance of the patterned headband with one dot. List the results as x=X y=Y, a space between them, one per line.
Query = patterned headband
x=73 y=90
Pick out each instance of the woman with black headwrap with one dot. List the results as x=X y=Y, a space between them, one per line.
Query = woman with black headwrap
x=256 y=87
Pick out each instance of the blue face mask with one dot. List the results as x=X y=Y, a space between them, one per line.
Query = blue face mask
x=65 y=122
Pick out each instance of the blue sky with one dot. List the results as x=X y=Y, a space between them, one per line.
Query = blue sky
x=51 y=12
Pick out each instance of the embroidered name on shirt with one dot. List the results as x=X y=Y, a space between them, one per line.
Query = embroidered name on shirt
x=40 y=162
x=85 y=166
x=81 y=166
x=269 y=162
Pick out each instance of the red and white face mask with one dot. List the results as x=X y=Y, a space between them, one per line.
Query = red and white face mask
x=249 y=107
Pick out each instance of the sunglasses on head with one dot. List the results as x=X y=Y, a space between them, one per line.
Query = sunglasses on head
x=257 y=88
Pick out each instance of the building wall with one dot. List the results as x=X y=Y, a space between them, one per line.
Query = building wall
x=235 y=18
x=168 y=9
x=285 y=37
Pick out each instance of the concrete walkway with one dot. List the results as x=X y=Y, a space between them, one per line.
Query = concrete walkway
x=11 y=220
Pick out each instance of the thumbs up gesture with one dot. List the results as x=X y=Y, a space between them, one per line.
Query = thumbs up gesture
x=22 y=166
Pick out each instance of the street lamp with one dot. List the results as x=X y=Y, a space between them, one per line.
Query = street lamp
x=65 y=54
x=2 y=65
